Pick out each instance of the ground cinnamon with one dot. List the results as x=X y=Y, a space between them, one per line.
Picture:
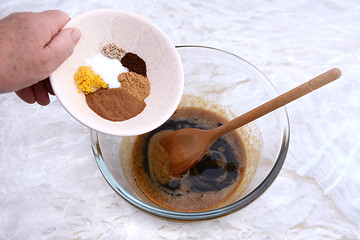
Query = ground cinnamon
x=134 y=63
x=115 y=104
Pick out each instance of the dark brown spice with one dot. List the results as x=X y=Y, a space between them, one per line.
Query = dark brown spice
x=134 y=63
x=115 y=104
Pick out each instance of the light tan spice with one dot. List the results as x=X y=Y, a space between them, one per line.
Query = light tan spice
x=136 y=84
x=111 y=50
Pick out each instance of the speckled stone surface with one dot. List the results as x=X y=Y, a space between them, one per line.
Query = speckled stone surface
x=51 y=188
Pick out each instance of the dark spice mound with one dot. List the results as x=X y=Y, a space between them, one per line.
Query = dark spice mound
x=134 y=63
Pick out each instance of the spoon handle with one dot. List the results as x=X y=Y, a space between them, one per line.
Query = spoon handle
x=278 y=102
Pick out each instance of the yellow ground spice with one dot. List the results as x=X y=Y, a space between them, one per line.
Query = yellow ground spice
x=88 y=81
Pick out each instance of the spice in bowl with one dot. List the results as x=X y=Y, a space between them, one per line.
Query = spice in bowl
x=115 y=83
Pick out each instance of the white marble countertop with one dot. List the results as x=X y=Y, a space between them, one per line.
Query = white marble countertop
x=51 y=188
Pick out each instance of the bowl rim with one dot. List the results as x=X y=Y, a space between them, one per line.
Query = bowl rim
x=243 y=202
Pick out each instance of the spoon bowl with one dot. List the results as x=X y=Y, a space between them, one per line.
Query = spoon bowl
x=186 y=147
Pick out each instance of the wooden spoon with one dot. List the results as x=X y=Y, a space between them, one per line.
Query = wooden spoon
x=187 y=146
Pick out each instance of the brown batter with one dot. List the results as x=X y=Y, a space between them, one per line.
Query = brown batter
x=209 y=183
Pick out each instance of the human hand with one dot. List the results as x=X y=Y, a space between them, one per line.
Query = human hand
x=32 y=46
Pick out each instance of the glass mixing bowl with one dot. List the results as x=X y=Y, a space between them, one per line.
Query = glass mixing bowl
x=223 y=82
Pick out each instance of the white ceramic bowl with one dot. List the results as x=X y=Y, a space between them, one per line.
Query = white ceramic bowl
x=134 y=34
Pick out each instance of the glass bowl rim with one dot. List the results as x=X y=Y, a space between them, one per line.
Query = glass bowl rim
x=243 y=202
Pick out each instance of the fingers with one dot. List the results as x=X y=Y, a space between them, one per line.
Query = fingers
x=41 y=93
x=27 y=95
x=36 y=93
x=56 y=20
x=62 y=41
x=62 y=46
x=49 y=87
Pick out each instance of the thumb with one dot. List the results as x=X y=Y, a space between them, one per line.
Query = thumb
x=62 y=46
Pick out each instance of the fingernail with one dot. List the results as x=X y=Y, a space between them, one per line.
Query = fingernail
x=75 y=34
